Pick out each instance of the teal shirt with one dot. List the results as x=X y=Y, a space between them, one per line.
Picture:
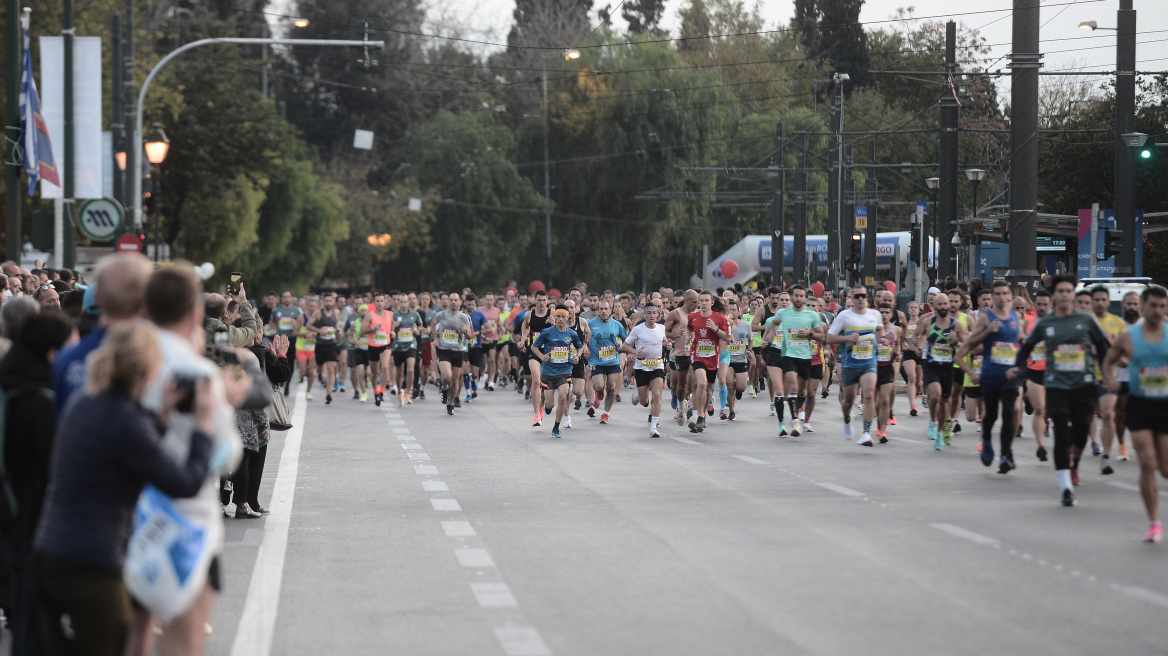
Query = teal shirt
x=790 y=321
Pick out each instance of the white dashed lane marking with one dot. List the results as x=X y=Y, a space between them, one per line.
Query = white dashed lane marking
x=1143 y=593
x=967 y=534
x=458 y=529
x=521 y=641
x=839 y=489
x=447 y=505
x=494 y=595
x=426 y=470
x=753 y=461
x=435 y=486
x=471 y=557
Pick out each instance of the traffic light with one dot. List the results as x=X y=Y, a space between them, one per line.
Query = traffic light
x=856 y=254
x=1146 y=153
x=914 y=247
x=1112 y=243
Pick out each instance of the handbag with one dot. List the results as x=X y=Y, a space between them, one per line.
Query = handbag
x=278 y=417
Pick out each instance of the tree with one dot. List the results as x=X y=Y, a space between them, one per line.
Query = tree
x=806 y=20
x=842 y=39
x=642 y=15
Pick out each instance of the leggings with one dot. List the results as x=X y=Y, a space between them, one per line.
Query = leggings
x=1007 y=395
x=255 y=474
x=1072 y=412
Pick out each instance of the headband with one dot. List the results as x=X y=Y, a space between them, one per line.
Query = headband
x=562 y=311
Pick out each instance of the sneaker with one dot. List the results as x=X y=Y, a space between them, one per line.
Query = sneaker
x=618 y=398
x=823 y=394
x=579 y=404
x=931 y=435
x=556 y=433
x=376 y=399
x=782 y=429
x=710 y=409
x=807 y=427
x=680 y=415
x=865 y=439
x=567 y=423
x=883 y=437
x=732 y=415
x=1075 y=476
x=604 y=417
x=1041 y=453
x=1105 y=466
x=450 y=411
x=1122 y=457
x=772 y=411
x=1019 y=435
x=538 y=421
x=356 y=395
x=701 y=424
x=847 y=430
x=1095 y=448
x=591 y=411
x=308 y=396
x=956 y=426
x=653 y=433
x=1068 y=498
x=457 y=403
x=1006 y=465
x=1155 y=532
x=1027 y=407
x=723 y=414
x=673 y=401
x=364 y=397
x=987 y=452
x=795 y=427
x=892 y=420
x=693 y=424
x=912 y=411
x=468 y=398
x=328 y=398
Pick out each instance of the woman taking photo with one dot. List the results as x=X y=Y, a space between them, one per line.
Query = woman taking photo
x=108 y=448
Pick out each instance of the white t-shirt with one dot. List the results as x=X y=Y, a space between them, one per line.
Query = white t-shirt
x=849 y=322
x=648 y=339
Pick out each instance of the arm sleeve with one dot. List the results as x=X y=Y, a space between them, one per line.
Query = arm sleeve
x=243 y=337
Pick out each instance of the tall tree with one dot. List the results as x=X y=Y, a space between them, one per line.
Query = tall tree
x=642 y=15
x=806 y=21
x=842 y=39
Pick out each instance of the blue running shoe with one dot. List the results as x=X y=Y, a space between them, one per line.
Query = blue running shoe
x=673 y=401
x=987 y=452
x=556 y=433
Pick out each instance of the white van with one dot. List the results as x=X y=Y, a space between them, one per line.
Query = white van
x=1117 y=288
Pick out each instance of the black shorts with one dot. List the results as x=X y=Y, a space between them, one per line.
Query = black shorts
x=400 y=357
x=451 y=356
x=885 y=375
x=739 y=367
x=801 y=367
x=711 y=374
x=513 y=349
x=358 y=357
x=939 y=373
x=326 y=352
x=972 y=392
x=554 y=382
x=816 y=372
x=578 y=369
x=1146 y=414
x=491 y=347
x=646 y=376
x=757 y=352
x=772 y=357
x=475 y=354
x=375 y=353
x=1061 y=402
x=681 y=362
x=958 y=377
x=911 y=356
x=1035 y=376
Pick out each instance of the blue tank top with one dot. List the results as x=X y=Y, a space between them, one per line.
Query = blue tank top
x=1148 y=370
x=1001 y=349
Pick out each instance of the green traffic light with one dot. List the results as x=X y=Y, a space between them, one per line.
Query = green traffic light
x=1146 y=153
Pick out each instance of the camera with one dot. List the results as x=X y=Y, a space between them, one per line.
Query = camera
x=185 y=386
x=222 y=352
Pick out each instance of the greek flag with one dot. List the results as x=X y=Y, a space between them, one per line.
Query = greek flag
x=38 y=150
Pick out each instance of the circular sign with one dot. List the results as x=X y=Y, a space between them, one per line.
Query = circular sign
x=100 y=218
x=128 y=244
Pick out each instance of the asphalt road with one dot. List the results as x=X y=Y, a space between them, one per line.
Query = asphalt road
x=411 y=532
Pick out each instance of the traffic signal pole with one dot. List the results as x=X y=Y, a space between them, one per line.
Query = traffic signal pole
x=1125 y=107
x=1024 y=65
x=948 y=161
x=778 y=209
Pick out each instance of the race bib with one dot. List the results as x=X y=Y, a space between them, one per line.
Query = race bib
x=1039 y=352
x=607 y=352
x=450 y=335
x=793 y=338
x=363 y=342
x=689 y=344
x=405 y=334
x=884 y=354
x=309 y=344
x=285 y=324
x=706 y=349
x=269 y=330
x=559 y=355
x=976 y=364
x=1070 y=357
x=1004 y=353
x=380 y=338
x=941 y=352
x=737 y=347
x=912 y=330
x=651 y=363
x=777 y=341
x=863 y=349
x=1154 y=382
x=330 y=333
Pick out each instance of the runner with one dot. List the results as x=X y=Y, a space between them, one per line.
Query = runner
x=475 y=351
x=958 y=306
x=857 y=328
x=379 y=329
x=491 y=309
x=1147 y=351
x=358 y=351
x=576 y=389
x=675 y=328
x=428 y=371
x=1071 y=394
x=1131 y=316
x=450 y=331
x=285 y=316
x=937 y=338
x=324 y=325
x=647 y=343
x=999 y=328
x=405 y=349
x=704 y=329
x=818 y=356
x=911 y=363
x=1035 y=377
x=1111 y=326
x=535 y=321
x=306 y=346
x=798 y=325
x=772 y=353
x=605 y=337
x=553 y=347
x=887 y=362
x=734 y=374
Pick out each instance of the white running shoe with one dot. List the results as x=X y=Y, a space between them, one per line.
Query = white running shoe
x=567 y=423
x=795 y=427
x=807 y=427
x=865 y=439
x=848 y=431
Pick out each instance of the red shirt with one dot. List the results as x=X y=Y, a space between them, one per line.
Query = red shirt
x=705 y=340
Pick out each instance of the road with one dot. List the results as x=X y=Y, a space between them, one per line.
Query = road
x=411 y=532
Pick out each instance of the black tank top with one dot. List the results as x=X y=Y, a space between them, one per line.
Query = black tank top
x=327 y=321
x=537 y=325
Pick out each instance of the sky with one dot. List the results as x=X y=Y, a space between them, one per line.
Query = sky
x=1059 y=20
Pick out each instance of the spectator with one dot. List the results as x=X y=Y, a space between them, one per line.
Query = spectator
x=26 y=376
x=218 y=319
x=108 y=448
x=46 y=296
x=118 y=294
x=12 y=317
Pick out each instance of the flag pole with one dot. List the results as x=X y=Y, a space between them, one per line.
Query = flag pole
x=13 y=239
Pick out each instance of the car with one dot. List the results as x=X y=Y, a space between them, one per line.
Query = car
x=1117 y=288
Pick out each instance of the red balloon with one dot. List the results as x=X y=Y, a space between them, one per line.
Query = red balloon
x=729 y=269
x=817 y=289
x=535 y=286
x=554 y=293
x=890 y=286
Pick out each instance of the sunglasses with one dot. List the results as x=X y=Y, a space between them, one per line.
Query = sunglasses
x=859 y=296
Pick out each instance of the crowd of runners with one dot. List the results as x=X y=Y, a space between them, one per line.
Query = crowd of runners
x=986 y=356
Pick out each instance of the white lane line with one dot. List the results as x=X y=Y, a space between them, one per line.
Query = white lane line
x=419 y=456
x=839 y=489
x=1147 y=595
x=686 y=441
x=494 y=595
x=253 y=637
x=521 y=641
x=450 y=505
x=435 y=486
x=426 y=470
x=408 y=446
x=753 y=461
x=399 y=429
x=964 y=534
x=473 y=557
x=406 y=438
x=458 y=529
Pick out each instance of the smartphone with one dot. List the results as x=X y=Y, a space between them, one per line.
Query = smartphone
x=234 y=281
x=185 y=386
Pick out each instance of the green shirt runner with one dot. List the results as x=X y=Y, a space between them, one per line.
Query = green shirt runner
x=790 y=322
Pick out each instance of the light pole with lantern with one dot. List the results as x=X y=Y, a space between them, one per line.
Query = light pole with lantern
x=157 y=145
x=568 y=55
x=975 y=177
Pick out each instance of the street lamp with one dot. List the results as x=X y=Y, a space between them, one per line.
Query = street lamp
x=975 y=177
x=568 y=54
x=299 y=23
x=157 y=146
x=1092 y=26
x=933 y=184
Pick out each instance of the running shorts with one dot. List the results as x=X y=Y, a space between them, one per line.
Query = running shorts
x=604 y=369
x=578 y=370
x=801 y=367
x=911 y=356
x=554 y=382
x=849 y=377
x=973 y=392
x=1146 y=414
x=375 y=353
x=476 y=356
x=711 y=374
x=939 y=373
x=400 y=357
x=682 y=363
x=885 y=375
x=304 y=356
x=358 y=357
x=816 y=372
x=645 y=376
x=326 y=352
x=739 y=367
x=454 y=357
x=773 y=357
x=1035 y=376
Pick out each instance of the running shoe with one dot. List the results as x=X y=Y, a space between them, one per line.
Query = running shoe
x=912 y=411
x=538 y=421
x=578 y=403
x=376 y=399
x=1019 y=432
x=1068 y=498
x=710 y=409
x=673 y=401
x=1075 y=476
x=1041 y=453
x=457 y=403
x=865 y=439
x=450 y=411
x=1155 y=532
x=693 y=423
x=795 y=428
x=892 y=420
x=603 y=418
x=468 y=399
x=591 y=411
x=1006 y=465
x=1027 y=407
x=823 y=394
x=1122 y=457
x=723 y=414
x=679 y=416
x=556 y=433
x=364 y=397
x=772 y=411
x=1095 y=448
x=782 y=429
x=807 y=427
x=618 y=398
x=987 y=452
x=356 y=395
x=701 y=424
x=847 y=430
x=732 y=415
x=1105 y=466
x=308 y=396
x=653 y=433
x=328 y=398
x=956 y=426
x=567 y=423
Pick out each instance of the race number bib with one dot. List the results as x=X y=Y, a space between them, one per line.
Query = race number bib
x=706 y=349
x=607 y=352
x=864 y=349
x=329 y=334
x=737 y=347
x=1154 y=382
x=380 y=338
x=975 y=364
x=286 y=324
x=651 y=363
x=912 y=330
x=793 y=338
x=941 y=352
x=559 y=355
x=309 y=344
x=405 y=334
x=1039 y=352
x=1070 y=357
x=1004 y=353
x=884 y=354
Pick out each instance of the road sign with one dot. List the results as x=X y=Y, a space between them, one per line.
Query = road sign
x=128 y=244
x=100 y=218
x=862 y=217
x=869 y=281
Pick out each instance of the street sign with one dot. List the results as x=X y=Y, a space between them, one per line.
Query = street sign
x=869 y=281
x=862 y=217
x=128 y=244
x=100 y=218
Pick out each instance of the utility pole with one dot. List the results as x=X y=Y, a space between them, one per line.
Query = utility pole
x=1125 y=107
x=778 y=198
x=799 y=268
x=12 y=38
x=127 y=83
x=116 y=103
x=948 y=161
x=835 y=179
x=1026 y=60
x=871 y=188
x=66 y=239
x=848 y=219
x=547 y=184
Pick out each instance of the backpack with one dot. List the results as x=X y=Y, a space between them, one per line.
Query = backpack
x=9 y=508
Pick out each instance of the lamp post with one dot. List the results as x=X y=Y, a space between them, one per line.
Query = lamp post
x=299 y=22
x=975 y=177
x=568 y=55
x=934 y=184
x=157 y=145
